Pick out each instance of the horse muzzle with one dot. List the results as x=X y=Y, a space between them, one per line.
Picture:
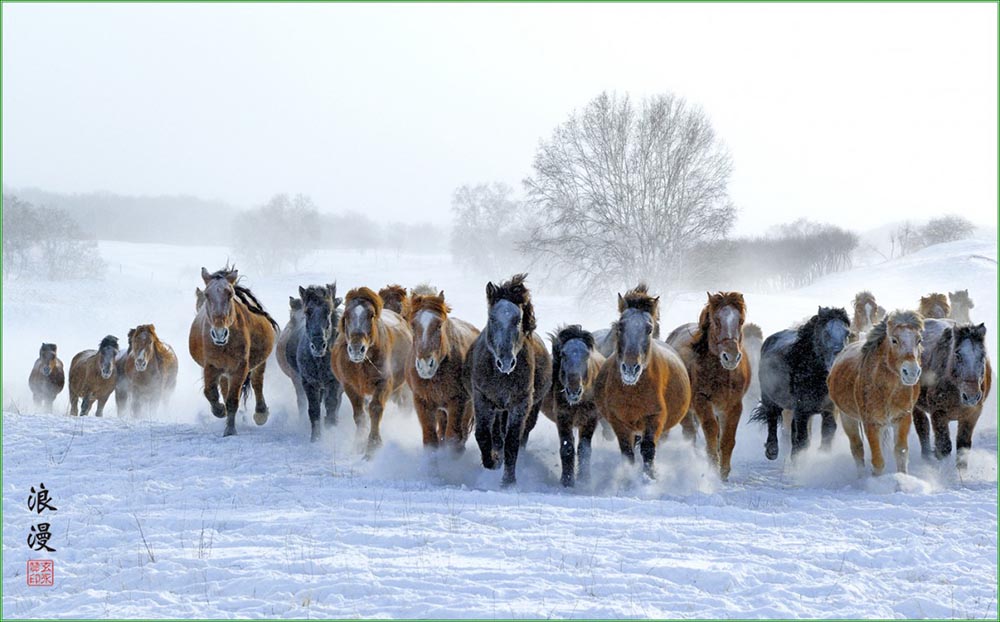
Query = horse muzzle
x=356 y=353
x=970 y=399
x=107 y=371
x=141 y=364
x=909 y=374
x=317 y=351
x=573 y=396
x=220 y=336
x=46 y=371
x=729 y=361
x=426 y=367
x=505 y=366
x=630 y=373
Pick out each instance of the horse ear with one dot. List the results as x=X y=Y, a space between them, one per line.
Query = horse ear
x=621 y=304
x=709 y=294
x=232 y=276
x=656 y=304
x=205 y=276
x=981 y=331
x=302 y=292
x=441 y=295
x=491 y=292
x=332 y=288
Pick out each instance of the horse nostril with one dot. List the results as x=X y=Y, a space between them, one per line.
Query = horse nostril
x=965 y=396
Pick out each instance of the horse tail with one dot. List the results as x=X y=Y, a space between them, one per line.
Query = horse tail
x=761 y=413
x=245 y=390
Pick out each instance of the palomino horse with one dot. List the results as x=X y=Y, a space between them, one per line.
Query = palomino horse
x=92 y=377
x=230 y=338
x=643 y=389
x=875 y=384
x=440 y=346
x=955 y=383
x=794 y=364
x=307 y=353
x=570 y=402
x=508 y=373
x=47 y=378
x=147 y=371
x=867 y=313
x=934 y=306
x=712 y=351
x=393 y=298
x=369 y=358
x=961 y=304
x=295 y=319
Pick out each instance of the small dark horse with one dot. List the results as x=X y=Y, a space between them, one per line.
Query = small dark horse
x=794 y=364
x=570 y=403
x=307 y=353
x=509 y=373
x=955 y=383
x=47 y=378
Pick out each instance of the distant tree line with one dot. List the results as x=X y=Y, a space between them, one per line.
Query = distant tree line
x=908 y=238
x=47 y=243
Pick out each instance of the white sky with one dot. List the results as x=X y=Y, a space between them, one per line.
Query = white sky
x=858 y=114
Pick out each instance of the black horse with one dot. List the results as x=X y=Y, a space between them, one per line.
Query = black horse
x=508 y=374
x=308 y=352
x=794 y=364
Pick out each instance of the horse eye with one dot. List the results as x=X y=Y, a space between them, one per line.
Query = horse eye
x=649 y=329
x=895 y=341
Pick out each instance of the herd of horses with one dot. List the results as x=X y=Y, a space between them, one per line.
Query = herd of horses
x=878 y=370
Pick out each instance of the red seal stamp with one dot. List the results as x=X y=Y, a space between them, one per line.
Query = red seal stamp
x=41 y=572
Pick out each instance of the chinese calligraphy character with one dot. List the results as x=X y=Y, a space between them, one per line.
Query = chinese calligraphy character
x=39 y=500
x=38 y=540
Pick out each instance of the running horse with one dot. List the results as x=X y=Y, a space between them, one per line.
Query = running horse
x=230 y=338
x=934 y=306
x=712 y=351
x=147 y=371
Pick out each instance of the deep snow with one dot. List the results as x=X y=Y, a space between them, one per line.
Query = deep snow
x=266 y=523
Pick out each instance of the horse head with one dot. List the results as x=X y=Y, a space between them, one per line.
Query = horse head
x=967 y=364
x=319 y=304
x=639 y=315
x=142 y=343
x=571 y=350
x=511 y=320
x=831 y=332
x=722 y=321
x=359 y=324
x=219 y=305
x=47 y=355
x=427 y=315
x=106 y=354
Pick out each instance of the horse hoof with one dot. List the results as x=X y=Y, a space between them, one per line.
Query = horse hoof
x=230 y=431
x=567 y=481
x=315 y=436
x=724 y=474
x=218 y=410
x=330 y=422
x=771 y=452
x=507 y=481
x=260 y=417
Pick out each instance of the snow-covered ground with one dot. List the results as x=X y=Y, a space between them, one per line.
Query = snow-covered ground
x=163 y=517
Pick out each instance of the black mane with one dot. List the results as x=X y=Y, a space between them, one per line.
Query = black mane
x=516 y=292
x=110 y=340
x=805 y=333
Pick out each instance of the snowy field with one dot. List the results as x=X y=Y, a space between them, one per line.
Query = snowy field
x=163 y=517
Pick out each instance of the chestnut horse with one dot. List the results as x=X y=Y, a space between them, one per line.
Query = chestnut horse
x=867 y=313
x=147 y=371
x=393 y=298
x=369 y=358
x=934 y=306
x=47 y=378
x=875 y=384
x=508 y=373
x=440 y=346
x=643 y=389
x=712 y=351
x=230 y=338
x=296 y=317
x=570 y=402
x=961 y=304
x=92 y=377
x=955 y=383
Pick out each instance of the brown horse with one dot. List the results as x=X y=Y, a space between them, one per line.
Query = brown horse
x=369 y=358
x=230 y=338
x=393 y=298
x=296 y=316
x=570 y=402
x=934 y=306
x=92 y=377
x=961 y=304
x=643 y=389
x=876 y=383
x=712 y=351
x=867 y=313
x=440 y=346
x=147 y=371
x=47 y=378
x=955 y=383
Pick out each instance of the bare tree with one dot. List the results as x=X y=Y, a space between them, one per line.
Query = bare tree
x=489 y=225
x=947 y=229
x=625 y=190
x=905 y=240
x=277 y=234
x=46 y=242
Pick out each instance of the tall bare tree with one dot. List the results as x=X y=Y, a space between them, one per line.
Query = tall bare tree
x=277 y=234
x=624 y=190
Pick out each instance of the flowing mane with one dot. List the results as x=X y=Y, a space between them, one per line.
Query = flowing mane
x=393 y=297
x=110 y=340
x=364 y=294
x=244 y=295
x=425 y=302
x=516 y=292
x=639 y=298
x=559 y=339
x=878 y=333
x=699 y=341
x=804 y=334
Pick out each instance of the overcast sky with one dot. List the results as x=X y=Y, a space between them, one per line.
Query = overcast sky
x=853 y=113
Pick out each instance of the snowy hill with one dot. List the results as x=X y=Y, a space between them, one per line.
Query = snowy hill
x=163 y=517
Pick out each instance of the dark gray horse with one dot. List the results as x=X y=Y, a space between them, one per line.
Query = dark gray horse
x=509 y=372
x=794 y=364
x=308 y=352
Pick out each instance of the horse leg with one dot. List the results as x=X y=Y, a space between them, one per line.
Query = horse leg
x=85 y=405
x=587 y=429
x=709 y=425
x=358 y=406
x=313 y=399
x=689 y=426
x=772 y=414
x=827 y=430
x=331 y=401
x=530 y=422
x=901 y=448
x=567 y=453
x=485 y=417
x=963 y=442
x=211 y=378
x=455 y=423
x=301 y=399
x=100 y=405
x=942 y=435
x=852 y=428
x=728 y=441
x=517 y=417
x=647 y=446
x=922 y=424
x=233 y=400
x=375 y=408
x=121 y=401
x=800 y=432
x=427 y=415
x=874 y=435
x=74 y=404
x=499 y=424
x=260 y=411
